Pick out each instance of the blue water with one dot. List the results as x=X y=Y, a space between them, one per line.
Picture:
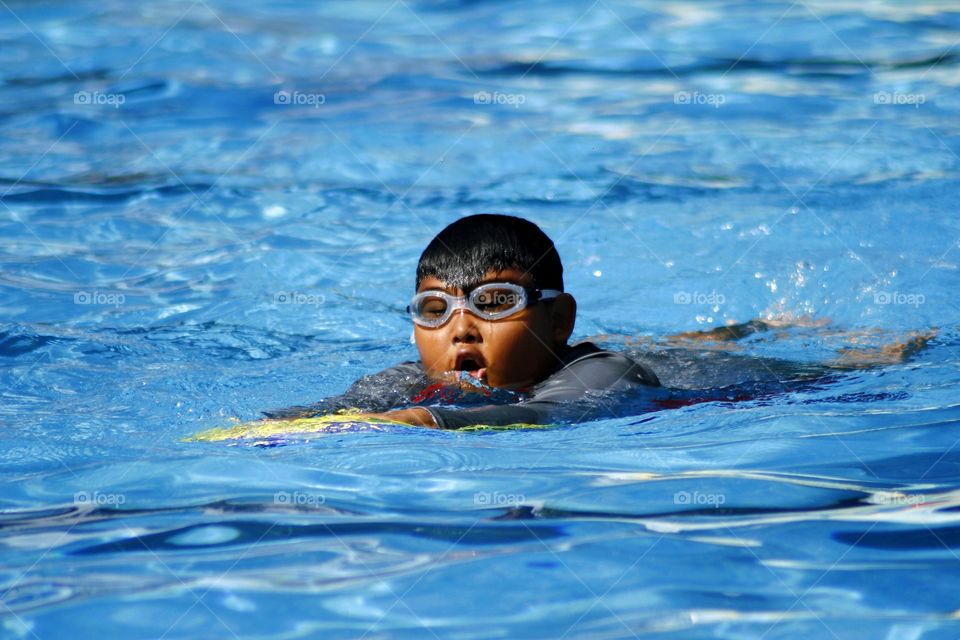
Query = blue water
x=171 y=174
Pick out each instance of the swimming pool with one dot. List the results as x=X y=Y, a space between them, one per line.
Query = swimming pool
x=210 y=210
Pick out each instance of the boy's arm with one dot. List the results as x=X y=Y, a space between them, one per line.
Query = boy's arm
x=581 y=390
x=417 y=417
x=376 y=392
x=862 y=351
x=889 y=353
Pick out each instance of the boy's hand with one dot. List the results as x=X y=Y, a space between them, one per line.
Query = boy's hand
x=416 y=416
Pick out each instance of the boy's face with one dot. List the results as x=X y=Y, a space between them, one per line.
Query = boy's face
x=514 y=352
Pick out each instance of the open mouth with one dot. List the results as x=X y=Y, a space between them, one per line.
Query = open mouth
x=472 y=365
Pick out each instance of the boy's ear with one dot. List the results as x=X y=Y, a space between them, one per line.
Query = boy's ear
x=564 y=317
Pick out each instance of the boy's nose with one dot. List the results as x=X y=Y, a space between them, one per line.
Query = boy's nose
x=463 y=324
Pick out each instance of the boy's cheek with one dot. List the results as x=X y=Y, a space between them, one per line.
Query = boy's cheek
x=427 y=350
x=434 y=360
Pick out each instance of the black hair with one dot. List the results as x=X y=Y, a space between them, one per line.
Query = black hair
x=465 y=250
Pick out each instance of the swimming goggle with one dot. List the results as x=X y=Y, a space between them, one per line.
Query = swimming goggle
x=491 y=301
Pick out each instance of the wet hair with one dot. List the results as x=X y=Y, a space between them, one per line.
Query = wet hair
x=467 y=249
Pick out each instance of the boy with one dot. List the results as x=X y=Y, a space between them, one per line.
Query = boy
x=492 y=321
x=491 y=316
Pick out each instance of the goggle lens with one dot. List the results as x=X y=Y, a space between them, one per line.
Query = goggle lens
x=432 y=308
x=497 y=300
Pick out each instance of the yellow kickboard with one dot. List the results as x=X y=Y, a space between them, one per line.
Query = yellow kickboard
x=275 y=431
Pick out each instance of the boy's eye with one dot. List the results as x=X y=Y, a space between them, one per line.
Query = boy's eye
x=433 y=307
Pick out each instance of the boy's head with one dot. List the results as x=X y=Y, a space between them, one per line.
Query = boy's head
x=520 y=345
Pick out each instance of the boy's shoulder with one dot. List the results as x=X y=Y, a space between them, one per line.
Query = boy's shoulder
x=588 y=367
